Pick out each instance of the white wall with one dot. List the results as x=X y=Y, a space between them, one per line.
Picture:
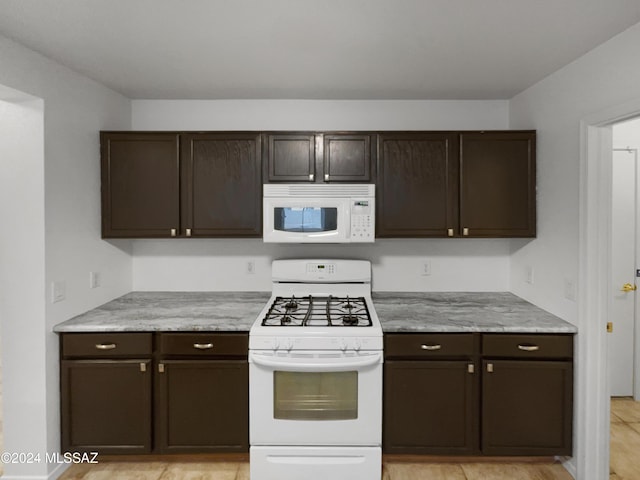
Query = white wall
x=22 y=251
x=57 y=233
x=627 y=134
x=457 y=264
x=604 y=78
x=607 y=76
x=199 y=264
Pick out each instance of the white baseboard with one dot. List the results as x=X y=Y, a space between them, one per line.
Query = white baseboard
x=569 y=464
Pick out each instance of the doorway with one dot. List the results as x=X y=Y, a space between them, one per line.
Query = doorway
x=594 y=300
x=623 y=355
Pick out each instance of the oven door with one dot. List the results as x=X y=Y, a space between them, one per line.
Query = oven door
x=306 y=220
x=315 y=398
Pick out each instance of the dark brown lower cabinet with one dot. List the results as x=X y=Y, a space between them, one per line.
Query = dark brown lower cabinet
x=106 y=406
x=527 y=407
x=430 y=407
x=133 y=393
x=203 y=406
x=440 y=398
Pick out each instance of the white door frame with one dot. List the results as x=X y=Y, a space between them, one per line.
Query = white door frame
x=592 y=379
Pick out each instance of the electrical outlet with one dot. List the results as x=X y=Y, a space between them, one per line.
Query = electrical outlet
x=251 y=267
x=58 y=291
x=569 y=289
x=94 y=279
x=530 y=275
x=426 y=268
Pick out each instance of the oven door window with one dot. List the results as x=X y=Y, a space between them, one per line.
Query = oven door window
x=315 y=395
x=305 y=219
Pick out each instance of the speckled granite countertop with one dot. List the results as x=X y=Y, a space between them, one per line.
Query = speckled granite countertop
x=236 y=311
x=464 y=312
x=171 y=311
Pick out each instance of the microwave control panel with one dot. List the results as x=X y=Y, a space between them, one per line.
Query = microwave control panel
x=362 y=221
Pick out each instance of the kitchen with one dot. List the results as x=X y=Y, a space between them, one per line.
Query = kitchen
x=63 y=223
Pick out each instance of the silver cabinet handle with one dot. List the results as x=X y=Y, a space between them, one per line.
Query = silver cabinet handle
x=105 y=346
x=326 y=177
x=465 y=232
x=174 y=232
x=188 y=232
x=430 y=347
x=471 y=368
x=528 y=348
x=450 y=232
x=311 y=177
x=203 y=346
x=490 y=367
x=143 y=367
x=161 y=368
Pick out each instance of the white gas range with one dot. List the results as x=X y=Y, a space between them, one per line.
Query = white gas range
x=315 y=389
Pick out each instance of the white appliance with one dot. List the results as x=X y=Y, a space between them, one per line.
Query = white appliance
x=318 y=213
x=315 y=375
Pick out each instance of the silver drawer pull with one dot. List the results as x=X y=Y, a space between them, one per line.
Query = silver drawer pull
x=105 y=346
x=528 y=348
x=431 y=347
x=203 y=346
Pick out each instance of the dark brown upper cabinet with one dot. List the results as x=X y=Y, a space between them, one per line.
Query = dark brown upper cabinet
x=140 y=184
x=318 y=157
x=221 y=185
x=498 y=184
x=347 y=157
x=163 y=185
x=457 y=184
x=290 y=157
x=417 y=187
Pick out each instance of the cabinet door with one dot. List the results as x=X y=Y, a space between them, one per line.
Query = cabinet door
x=527 y=407
x=291 y=157
x=222 y=185
x=430 y=407
x=417 y=185
x=106 y=406
x=203 y=406
x=498 y=184
x=140 y=184
x=347 y=158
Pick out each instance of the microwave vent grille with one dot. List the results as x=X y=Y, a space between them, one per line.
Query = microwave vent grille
x=319 y=190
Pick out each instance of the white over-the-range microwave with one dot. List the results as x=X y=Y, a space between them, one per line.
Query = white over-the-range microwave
x=318 y=213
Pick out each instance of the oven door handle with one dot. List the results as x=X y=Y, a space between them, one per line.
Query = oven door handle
x=341 y=364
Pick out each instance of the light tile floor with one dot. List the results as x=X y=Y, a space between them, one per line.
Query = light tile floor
x=625 y=439
x=625 y=462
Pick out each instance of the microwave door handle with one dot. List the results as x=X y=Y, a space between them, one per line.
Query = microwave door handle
x=295 y=365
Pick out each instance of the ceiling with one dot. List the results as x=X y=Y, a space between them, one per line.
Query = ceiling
x=316 y=49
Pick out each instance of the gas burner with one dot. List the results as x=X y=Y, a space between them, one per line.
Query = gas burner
x=291 y=304
x=350 y=320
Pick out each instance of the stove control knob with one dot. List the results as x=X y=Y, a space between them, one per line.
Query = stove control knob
x=275 y=344
x=357 y=344
x=287 y=343
x=342 y=343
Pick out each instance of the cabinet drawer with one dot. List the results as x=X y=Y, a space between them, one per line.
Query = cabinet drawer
x=527 y=346
x=204 y=344
x=430 y=345
x=102 y=345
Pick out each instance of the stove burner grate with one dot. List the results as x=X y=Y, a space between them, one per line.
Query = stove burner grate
x=318 y=312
